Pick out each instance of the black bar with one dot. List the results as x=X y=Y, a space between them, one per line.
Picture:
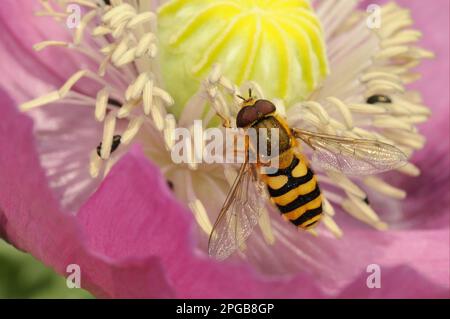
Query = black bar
x=176 y=308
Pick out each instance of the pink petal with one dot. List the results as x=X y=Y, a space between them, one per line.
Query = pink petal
x=395 y=282
x=426 y=252
x=428 y=199
x=65 y=137
x=133 y=214
x=429 y=196
x=30 y=218
x=25 y=73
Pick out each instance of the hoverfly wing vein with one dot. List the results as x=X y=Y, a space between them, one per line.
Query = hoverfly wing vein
x=352 y=156
x=239 y=215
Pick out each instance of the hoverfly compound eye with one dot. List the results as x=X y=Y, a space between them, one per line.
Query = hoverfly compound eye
x=265 y=107
x=252 y=113
x=246 y=116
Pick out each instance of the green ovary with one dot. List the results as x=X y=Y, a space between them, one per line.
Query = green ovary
x=278 y=44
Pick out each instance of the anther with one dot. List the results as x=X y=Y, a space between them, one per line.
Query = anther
x=115 y=144
x=114 y=102
x=105 y=3
x=374 y=99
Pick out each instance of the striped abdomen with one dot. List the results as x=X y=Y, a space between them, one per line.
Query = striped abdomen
x=296 y=193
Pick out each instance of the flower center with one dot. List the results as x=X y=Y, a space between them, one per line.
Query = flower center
x=276 y=43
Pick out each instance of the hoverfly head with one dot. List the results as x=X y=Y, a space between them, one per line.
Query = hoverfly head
x=251 y=113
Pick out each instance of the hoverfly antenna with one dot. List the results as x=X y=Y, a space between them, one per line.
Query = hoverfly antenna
x=242 y=98
x=249 y=93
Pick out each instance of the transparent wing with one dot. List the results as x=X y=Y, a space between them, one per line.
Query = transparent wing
x=352 y=156
x=240 y=213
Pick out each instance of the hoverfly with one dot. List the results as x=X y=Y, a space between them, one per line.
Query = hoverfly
x=293 y=188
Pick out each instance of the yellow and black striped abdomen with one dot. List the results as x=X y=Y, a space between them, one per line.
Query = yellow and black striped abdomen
x=296 y=193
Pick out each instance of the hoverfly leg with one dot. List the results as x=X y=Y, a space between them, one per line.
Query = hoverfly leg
x=225 y=121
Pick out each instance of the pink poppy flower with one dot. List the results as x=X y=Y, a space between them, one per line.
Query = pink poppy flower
x=133 y=237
